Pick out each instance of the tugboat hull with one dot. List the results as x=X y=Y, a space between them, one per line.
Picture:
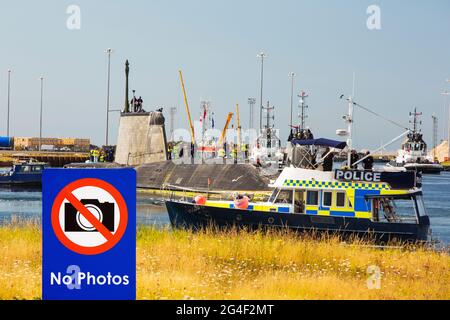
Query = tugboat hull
x=190 y=216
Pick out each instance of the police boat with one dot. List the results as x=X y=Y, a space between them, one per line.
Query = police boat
x=384 y=206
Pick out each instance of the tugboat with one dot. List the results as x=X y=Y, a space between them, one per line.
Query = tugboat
x=267 y=153
x=384 y=206
x=413 y=154
x=24 y=173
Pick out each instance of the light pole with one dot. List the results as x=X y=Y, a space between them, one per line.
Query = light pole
x=9 y=91
x=435 y=134
x=292 y=75
x=40 y=117
x=261 y=55
x=108 y=51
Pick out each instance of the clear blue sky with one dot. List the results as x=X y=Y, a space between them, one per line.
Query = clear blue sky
x=401 y=66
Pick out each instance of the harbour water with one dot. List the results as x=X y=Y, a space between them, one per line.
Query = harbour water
x=25 y=204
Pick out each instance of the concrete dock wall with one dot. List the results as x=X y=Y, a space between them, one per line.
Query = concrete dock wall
x=141 y=139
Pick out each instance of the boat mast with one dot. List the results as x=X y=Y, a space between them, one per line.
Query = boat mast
x=303 y=108
x=415 y=122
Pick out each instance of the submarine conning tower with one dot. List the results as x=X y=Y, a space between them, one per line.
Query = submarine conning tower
x=141 y=137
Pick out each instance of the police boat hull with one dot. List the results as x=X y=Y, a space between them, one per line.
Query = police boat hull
x=195 y=217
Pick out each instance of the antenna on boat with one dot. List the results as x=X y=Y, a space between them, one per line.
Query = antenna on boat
x=349 y=119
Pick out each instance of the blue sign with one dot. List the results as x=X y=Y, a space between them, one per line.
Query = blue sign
x=89 y=234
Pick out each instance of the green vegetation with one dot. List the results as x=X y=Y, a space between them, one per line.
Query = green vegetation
x=233 y=265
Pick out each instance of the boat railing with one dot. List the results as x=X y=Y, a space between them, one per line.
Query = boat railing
x=398 y=219
x=186 y=194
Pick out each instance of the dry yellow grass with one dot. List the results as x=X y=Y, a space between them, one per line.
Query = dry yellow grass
x=184 y=265
x=20 y=262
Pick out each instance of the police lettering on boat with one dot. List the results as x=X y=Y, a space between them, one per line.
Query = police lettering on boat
x=350 y=175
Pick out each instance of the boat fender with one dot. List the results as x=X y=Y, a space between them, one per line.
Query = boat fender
x=200 y=200
x=241 y=202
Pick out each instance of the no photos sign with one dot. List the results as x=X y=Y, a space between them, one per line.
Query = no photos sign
x=89 y=234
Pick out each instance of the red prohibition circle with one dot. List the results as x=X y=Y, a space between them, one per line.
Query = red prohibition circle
x=123 y=212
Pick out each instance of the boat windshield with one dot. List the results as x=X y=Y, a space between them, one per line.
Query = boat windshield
x=274 y=195
x=398 y=209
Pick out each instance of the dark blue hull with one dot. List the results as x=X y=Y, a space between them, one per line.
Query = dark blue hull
x=33 y=179
x=24 y=174
x=190 y=216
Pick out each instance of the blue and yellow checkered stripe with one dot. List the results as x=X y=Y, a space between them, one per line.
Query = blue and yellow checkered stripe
x=336 y=185
x=252 y=207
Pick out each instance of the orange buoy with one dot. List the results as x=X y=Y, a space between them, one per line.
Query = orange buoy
x=241 y=202
x=200 y=200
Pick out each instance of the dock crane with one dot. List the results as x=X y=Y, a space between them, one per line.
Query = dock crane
x=223 y=134
x=187 y=109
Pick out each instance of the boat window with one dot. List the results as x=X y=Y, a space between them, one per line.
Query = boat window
x=285 y=196
x=299 y=202
x=394 y=210
x=37 y=168
x=312 y=198
x=327 y=196
x=25 y=169
x=340 y=199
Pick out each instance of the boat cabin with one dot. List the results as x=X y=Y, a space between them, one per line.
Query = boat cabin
x=379 y=196
x=24 y=173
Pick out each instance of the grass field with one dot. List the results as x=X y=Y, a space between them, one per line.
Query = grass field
x=185 y=265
